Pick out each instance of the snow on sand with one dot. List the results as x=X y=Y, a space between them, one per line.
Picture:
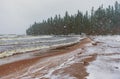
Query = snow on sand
x=107 y=64
x=71 y=63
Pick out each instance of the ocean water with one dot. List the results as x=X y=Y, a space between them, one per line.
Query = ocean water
x=11 y=44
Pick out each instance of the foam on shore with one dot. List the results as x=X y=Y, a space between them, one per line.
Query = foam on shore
x=33 y=48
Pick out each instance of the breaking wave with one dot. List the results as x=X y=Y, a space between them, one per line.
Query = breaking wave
x=22 y=44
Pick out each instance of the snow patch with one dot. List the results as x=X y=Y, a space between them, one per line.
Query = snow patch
x=101 y=69
x=62 y=77
x=107 y=64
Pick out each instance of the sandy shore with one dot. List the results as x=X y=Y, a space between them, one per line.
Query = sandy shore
x=57 y=63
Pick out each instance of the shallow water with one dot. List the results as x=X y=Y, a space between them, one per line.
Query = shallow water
x=13 y=44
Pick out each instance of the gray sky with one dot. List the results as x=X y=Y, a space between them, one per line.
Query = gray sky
x=17 y=15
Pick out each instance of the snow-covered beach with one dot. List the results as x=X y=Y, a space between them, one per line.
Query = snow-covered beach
x=93 y=57
x=107 y=63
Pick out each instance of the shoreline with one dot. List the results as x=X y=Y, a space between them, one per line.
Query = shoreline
x=6 y=54
x=33 y=53
x=16 y=66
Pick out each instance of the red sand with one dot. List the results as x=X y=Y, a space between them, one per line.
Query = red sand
x=49 y=59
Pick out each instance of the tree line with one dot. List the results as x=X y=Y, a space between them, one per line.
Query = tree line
x=99 y=22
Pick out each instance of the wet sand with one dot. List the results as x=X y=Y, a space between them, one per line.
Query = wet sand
x=50 y=63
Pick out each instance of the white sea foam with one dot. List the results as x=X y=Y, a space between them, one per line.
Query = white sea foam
x=9 y=53
x=24 y=37
x=35 y=45
x=23 y=40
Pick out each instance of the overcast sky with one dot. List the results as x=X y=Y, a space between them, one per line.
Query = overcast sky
x=17 y=15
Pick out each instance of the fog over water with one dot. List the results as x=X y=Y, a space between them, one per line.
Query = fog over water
x=17 y=15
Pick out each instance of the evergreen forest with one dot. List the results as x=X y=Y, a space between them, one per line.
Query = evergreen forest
x=101 y=21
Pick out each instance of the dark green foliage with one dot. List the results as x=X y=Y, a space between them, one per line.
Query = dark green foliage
x=101 y=21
